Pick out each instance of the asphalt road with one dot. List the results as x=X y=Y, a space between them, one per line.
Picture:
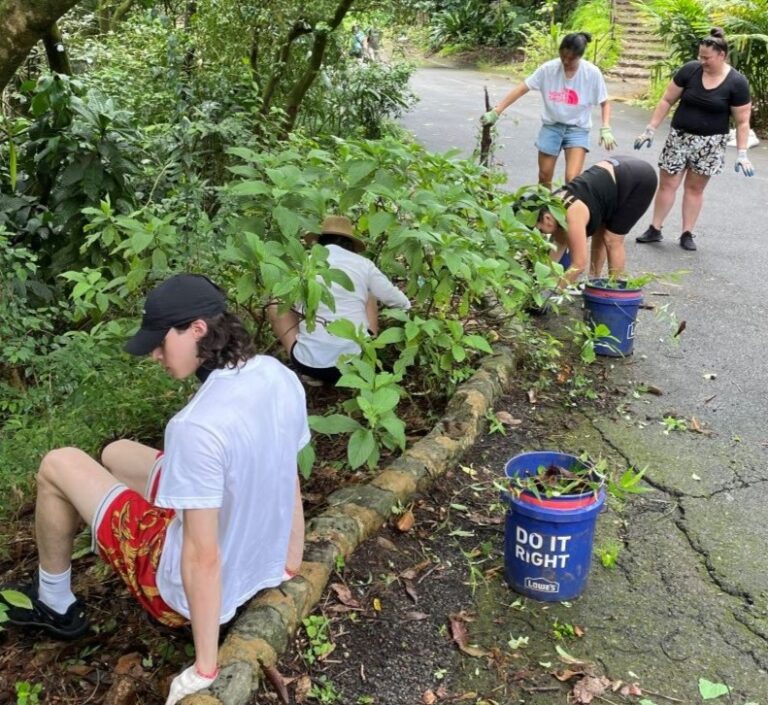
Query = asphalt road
x=720 y=298
x=689 y=598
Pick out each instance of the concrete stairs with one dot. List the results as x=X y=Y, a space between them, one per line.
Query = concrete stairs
x=641 y=48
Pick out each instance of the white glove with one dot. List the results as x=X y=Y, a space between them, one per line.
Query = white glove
x=186 y=683
x=743 y=163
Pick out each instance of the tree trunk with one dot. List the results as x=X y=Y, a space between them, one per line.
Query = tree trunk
x=22 y=24
x=58 y=59
x=281 y=61
x=300 y=88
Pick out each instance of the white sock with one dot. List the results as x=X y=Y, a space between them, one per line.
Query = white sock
x=55 y=591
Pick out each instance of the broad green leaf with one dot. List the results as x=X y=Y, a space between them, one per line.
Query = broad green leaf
x=352 y=381
x=709 y=690
x=287 y=220
x=333 y=423
x=389 y=336
x=477 y=342
x=361 y=446
x=459 y=353
x=342 y=328
x=385 y=399
x=141 y=241
x=396 y=428
x=379 y=222
x=249 y=188
x=16 y=599
x=306 y=460
x=358 y=170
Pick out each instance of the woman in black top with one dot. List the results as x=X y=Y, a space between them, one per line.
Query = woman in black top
x=710 y=93
x=604 y=203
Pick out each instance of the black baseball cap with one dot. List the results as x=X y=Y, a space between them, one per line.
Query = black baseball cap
x=181 y=299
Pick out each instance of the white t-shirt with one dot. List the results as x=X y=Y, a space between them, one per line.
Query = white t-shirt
x=568 y=101
x=234 y=447
x=321 y=349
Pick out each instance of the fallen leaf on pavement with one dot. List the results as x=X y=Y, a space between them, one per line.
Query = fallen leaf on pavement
x=579 y=631
x=415 y=616
x=631 y=689
x=376 y=604
x=567 y=658
x=507 y=419
x=653 y=389
x=410 y=590
x=344 y=595
x=428 y=697
x=461 y=636
x=413 y=572
x=386 y=544
x=303 y=686
x=588 y=688
x=405 y=521
x=566 y=674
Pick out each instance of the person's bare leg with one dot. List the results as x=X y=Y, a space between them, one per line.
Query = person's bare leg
x=70 y=486
x=614 y=245
x=574 y=162
x=285 y=325
x=296 y=542
x=546 y=169
x=693 y=199
x=130 y=463
x=665 y=196
x=598 y=254
x=372 y=314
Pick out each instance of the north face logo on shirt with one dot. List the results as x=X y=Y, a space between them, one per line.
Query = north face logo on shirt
x=567 y=96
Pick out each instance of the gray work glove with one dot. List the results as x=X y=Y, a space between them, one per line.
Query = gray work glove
x=187 y=683
x=607 y=139
x=646 y=138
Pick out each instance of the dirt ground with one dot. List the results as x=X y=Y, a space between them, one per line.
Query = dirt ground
x=406 y=615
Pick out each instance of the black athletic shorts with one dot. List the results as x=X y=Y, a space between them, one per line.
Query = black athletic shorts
x=330 y=375
x=636 y=183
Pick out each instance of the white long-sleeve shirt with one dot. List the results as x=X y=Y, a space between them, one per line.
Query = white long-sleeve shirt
x=321 y=349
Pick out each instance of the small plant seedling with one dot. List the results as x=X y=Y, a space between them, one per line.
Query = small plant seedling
x=324 y=691
x=608 y=553
x=28 y=693
x=495 y=426
x=672 y=423
x=563 y=630
x=317 y=628
x=629 y=482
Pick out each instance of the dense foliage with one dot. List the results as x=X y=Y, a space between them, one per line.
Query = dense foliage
x=174 y=148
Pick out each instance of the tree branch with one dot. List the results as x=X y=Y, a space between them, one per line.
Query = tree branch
x=22 y=24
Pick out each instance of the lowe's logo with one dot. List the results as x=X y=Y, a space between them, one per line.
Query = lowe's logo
x=542 y=585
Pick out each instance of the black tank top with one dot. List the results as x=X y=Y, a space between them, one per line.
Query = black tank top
x=597 y=189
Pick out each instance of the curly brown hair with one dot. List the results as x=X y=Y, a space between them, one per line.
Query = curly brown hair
x=226 y=344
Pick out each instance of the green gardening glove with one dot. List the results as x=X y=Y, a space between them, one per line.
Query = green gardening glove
x=607 y=139
x=489 y=118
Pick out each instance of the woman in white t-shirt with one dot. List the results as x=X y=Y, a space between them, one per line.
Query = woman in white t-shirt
x=569 y=87
x=315 y=353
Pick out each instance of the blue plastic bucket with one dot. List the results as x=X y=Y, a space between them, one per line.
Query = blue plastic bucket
x=548 y=551
x=616 y=307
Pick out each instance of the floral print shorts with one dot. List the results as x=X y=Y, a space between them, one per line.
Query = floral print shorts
x=703 y=154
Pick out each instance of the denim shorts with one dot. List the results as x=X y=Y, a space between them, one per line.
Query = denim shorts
x=554 y=138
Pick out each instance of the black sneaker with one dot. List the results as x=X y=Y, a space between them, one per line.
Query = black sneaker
x=650 y=235
x=686 y=241
x=70 y=625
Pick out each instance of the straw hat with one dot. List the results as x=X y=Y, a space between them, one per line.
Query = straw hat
x=337 y=225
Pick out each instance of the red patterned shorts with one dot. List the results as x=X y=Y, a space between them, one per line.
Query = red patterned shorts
x=130 y=538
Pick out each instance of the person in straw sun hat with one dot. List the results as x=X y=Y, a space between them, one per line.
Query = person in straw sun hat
x=316 y=353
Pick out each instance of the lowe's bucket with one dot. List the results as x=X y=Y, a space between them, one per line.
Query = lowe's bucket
x=616 y=307
x=548 y=542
